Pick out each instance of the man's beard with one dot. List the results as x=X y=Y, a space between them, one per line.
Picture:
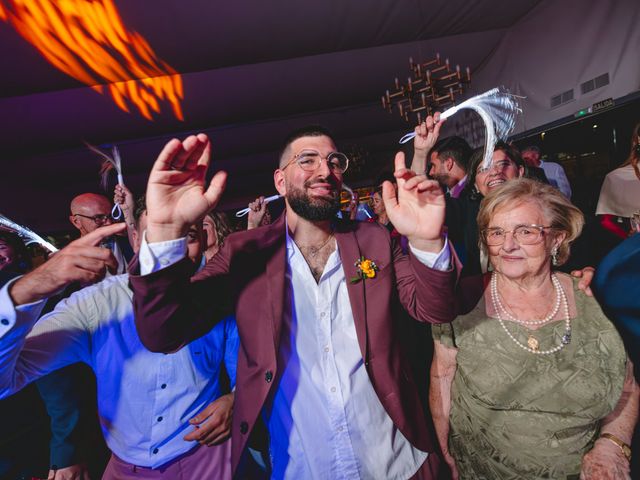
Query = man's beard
x=443 y=180
x=313 y=209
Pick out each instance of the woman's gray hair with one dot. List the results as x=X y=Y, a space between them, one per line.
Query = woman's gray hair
x=558 y=211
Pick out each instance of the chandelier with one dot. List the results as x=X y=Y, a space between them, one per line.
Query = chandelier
x=431 y=87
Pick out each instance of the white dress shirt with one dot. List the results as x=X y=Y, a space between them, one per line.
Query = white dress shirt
x=145 y=399
x=325 y=420
x=556 y=176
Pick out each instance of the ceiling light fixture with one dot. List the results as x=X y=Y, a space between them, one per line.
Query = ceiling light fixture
x=432 y=86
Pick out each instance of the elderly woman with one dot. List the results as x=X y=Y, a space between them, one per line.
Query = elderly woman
x=532 y=380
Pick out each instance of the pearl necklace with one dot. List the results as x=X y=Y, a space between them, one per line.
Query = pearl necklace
x=532 y=343
x=547 y=319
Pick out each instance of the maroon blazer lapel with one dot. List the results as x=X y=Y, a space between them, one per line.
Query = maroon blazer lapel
x=275 y=270
x=349 y=254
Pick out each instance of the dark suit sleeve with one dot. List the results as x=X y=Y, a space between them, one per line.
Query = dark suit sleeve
x=173 y=309
x=428 y=295
x=617 y=287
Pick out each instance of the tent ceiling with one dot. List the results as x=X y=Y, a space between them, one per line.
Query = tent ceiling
x=251 y=72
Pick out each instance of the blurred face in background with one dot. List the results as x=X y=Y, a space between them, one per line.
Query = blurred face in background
x=377 y=205
x=209 y=228
x=7 y=255
x=195 y=243
x=502 y=169
x=438 y=171
x=531 y=158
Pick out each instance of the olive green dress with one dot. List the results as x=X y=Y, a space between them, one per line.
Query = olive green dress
x=518 y=415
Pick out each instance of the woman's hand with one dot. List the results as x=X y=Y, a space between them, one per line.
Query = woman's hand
x=605 y=461
x=586 y=276
x=427 y=134
x=123 y=196
x=257 y=211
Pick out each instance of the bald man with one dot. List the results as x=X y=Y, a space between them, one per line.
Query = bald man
x=90 y=211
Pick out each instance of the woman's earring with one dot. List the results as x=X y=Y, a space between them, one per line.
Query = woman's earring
x=554 y=256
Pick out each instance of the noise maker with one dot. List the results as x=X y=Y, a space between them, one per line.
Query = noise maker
x=244 y=211
x=497 y=109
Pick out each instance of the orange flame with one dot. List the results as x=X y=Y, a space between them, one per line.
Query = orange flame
x=87 y=40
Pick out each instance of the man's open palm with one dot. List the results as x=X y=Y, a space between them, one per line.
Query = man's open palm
x=418 y=209
x=176 y=193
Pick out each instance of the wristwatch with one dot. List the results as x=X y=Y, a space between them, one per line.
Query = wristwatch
x=626 y=449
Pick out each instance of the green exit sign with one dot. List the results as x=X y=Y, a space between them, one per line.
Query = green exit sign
x=582 y=113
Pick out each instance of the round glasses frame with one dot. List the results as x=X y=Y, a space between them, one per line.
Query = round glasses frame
x=310 y=161
x=523 y=234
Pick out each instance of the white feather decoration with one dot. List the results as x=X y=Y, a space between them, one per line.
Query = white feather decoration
x=110 y=163
x=27 y=235
x=498 y=110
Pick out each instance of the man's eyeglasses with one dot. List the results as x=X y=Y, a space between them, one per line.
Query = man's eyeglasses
x=310 y=161
x=523 y=234
x=99 y=219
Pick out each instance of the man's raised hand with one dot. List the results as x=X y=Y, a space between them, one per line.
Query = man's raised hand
x=176 y=193
x=83 y=261
x=418 y=209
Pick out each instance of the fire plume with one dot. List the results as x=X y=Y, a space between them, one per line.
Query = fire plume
x=87 y=40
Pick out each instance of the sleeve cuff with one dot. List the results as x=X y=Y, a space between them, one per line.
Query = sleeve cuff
x=10 y=315
x=438 y=261
x=159 y=255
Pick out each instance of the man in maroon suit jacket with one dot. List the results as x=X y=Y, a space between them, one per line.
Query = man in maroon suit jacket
x=256 y=275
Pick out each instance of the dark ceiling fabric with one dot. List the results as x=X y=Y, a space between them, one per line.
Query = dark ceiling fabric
x=251 y=72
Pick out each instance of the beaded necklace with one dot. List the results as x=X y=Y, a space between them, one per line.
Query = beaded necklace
x=532 y=343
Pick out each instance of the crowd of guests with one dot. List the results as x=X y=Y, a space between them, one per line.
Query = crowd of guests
x=300 y=347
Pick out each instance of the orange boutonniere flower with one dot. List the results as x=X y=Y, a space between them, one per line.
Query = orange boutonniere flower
x=366 y=269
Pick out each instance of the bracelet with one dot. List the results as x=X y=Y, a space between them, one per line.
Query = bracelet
x=626 y=449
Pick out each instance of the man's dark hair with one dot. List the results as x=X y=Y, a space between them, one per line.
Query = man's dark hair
x=140 y=208
x=532 y=148
x=454 y=147
x=307 y=131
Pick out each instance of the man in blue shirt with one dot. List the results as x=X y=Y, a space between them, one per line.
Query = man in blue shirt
x=145 y=400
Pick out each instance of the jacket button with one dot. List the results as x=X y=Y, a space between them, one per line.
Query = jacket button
x=244 y=427
x=268 y=376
